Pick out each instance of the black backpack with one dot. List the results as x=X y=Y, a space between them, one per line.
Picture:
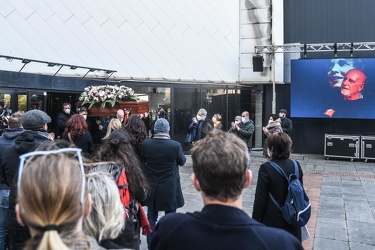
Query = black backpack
x=296 y=209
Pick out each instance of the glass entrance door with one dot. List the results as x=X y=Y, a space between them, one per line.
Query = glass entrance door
x=36 y=100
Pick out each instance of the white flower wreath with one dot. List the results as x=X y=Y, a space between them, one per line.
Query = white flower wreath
x=106 y=94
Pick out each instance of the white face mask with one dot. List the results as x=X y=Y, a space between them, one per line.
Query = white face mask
x=85 y=116
x=281 y=115
x=213 y=119
x=236 y=122
x=199 y=117
x=67 y=111
x=269 y=122
x=243 y=119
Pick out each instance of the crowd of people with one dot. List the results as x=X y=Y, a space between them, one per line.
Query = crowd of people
x=64 y=191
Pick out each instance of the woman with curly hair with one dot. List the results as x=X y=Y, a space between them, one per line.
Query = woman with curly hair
x=136 y=128
x=76 y=132
x=118 y=149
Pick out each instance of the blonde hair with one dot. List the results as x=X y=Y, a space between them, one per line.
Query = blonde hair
x=218 y=117
x=50 y=194
x=114 y=124
x=106 y=219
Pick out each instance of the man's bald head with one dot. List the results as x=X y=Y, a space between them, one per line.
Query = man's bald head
x=353 y=84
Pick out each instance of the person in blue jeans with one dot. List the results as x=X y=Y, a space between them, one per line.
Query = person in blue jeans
x=8 y=137
x=4 y=205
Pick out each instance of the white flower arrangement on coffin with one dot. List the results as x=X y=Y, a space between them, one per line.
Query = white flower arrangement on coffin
x=106 y=94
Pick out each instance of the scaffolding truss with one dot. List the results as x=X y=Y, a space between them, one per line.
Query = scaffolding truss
x=308 y=48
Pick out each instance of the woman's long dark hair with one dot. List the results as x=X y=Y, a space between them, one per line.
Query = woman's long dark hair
x=118 y=149
x=136 y=128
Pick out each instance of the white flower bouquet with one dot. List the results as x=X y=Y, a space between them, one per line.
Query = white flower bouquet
x=106 y=94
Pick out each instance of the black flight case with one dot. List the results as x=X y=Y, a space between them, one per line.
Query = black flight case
x=342 y=146
x=368 y=147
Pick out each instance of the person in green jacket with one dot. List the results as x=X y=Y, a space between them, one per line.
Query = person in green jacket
x=244 y=130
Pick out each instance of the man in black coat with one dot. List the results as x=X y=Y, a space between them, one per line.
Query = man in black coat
x=200 y=125
x=162 y=157
x=62 y=119
x=35 y=132
x=220 y=174
x=286 y=123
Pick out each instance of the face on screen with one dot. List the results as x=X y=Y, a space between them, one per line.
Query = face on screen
x=353 y=84
x=337 y=71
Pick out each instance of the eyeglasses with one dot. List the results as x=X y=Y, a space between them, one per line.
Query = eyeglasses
x=34 y=154
x=105 y=166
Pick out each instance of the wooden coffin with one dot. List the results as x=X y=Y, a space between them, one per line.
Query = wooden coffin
x=134 y=107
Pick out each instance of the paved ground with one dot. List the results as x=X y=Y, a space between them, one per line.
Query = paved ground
x=342 y=194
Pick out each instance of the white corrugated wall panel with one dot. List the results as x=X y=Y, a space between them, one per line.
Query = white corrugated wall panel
x=7 y=47
x=76 y=8
x=214 y=16
x=201 y=16
x=47 y=30
x=159 y=13
x=44 y=51
x=202 y=58
x=225 y=46
x=22 y=7
x=175 y=60
x=6 y=8
x=95 y=48
x=173 y=14
x=86 y=57
x=146 y=16
x=195 y=67
x=132 y=17
x=127 y=53
x=163 y=39
x=14 y=36
x=95 y=10
x=161 y=52
x=113 y=13
x=224 y=64
x=41 y=9
x=59 y=9
x=186 y=15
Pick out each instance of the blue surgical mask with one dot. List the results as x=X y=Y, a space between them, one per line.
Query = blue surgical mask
x=243 y=119
x=281 y=115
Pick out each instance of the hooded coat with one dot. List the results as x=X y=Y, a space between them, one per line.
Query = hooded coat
x=8 y=138
x=25 y=142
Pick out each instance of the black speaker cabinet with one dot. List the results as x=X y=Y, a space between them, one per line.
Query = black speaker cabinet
x=342 y=146
x=257 y=63
x=368 y=147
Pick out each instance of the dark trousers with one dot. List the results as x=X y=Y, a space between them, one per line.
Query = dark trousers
x=153 y=218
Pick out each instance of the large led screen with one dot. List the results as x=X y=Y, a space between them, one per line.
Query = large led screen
x=333 y=88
